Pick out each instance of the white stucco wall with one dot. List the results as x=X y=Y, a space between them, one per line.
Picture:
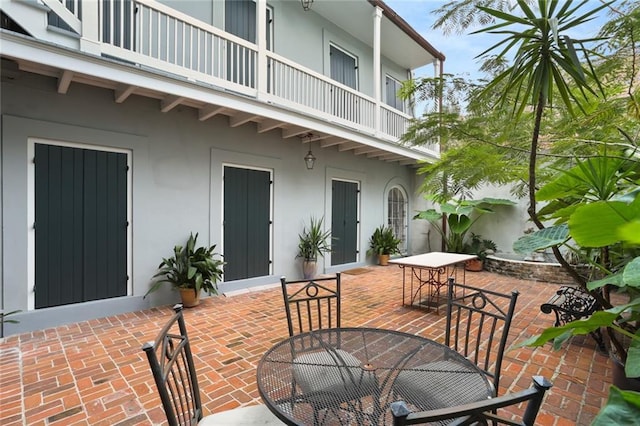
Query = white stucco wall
x=508 y=223
x=176 y=184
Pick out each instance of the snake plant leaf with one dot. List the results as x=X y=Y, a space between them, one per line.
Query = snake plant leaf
x=622 y=408
x=542 y=239
x=612 y=215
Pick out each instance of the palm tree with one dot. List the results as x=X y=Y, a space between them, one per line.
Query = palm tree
x=545 y=63
x=545 y=67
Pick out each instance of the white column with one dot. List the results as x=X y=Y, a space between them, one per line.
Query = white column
x=89 y=39
x=261 y=38
x=377 y=85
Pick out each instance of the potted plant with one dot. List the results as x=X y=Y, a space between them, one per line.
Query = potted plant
x=460 y=216
x=4 y=320
x=479 y=247
x=383 y=243
x=190 y=270
x=312 y=243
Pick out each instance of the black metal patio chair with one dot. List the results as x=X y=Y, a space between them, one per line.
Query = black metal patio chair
x=481 y=412
x=477 y=326
x=312 y=305
x=174 y=372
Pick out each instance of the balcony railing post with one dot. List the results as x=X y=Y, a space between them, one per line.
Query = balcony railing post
x=261 y=36
x=90 y=40
x=377 y=18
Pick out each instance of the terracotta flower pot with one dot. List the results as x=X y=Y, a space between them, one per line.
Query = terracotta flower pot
x=383 y=259
x=190 y=297
x=474 y=265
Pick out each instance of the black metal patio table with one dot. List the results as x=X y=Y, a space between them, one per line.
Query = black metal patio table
x=349 y=376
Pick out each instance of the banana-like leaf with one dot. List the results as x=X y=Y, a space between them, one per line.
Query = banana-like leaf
x=459 y=223
x=582 y=326
x=630 y=232
x=542 y=239
x=611 y=216
x=489 y=201
x=632 y=369
x=430 y=215
x=628 y=277
x=622 y=408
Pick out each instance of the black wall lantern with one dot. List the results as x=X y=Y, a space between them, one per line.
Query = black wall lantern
x=306 y=4
x=309 y=160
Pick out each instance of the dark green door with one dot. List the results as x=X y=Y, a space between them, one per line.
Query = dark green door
x=344 y=222
x=247 y=223
x=80 y=225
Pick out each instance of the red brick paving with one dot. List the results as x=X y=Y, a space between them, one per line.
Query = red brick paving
x=95 y=373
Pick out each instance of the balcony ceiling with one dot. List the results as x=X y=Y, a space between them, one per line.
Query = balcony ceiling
x=356 y=17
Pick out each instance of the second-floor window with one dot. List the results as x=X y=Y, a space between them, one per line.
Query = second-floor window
x=344 y=67
x=240 y=20
x=391 y=93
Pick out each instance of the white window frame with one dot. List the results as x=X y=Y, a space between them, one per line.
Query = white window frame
x=388 y=219
x=355 y=61
x=397 y=99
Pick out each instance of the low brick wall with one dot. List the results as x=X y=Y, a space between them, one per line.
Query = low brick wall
x=536 y=271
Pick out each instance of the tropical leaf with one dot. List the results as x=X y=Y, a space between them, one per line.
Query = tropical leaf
x=622 y=408
x=612 y=216
x=542 y=239
x=628 y=277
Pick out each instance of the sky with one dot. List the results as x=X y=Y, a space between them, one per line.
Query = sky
x=460 y=50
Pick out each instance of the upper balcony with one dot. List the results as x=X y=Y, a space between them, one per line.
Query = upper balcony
x=152 y=36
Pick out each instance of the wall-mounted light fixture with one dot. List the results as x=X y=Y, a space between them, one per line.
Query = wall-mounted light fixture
x=306 y=4
x=309 y=160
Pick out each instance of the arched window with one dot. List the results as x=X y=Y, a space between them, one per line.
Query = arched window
x=397 y=215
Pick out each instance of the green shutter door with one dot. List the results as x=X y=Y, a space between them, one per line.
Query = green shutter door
x=247 y=205
x=81 y=225
x=344 y=222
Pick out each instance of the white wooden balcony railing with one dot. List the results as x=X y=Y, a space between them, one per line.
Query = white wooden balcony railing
x=151 y=34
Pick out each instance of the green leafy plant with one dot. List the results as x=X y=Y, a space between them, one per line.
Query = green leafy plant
x=190 y=267
x=383 y=241
x=479 y=246
x=460 y=216
x=4 y=320
x=313 y=241
x=596 y=223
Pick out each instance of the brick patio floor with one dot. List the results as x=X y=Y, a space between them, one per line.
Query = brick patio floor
x=95 y=373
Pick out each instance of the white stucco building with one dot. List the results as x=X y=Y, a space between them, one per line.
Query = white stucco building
x=126 y=125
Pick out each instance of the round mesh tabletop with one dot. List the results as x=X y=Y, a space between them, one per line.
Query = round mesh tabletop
x=349 y=376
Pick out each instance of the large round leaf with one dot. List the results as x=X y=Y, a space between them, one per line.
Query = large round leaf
x=598 y=224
